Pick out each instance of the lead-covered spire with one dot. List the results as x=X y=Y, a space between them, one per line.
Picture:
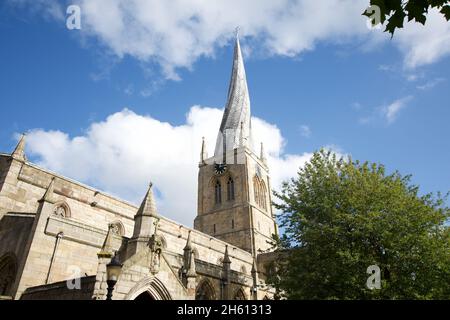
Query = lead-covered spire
x=235 y=129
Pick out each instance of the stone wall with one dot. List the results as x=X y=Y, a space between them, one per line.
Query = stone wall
x=59 y=238
x=241 y=221
x=88 y=213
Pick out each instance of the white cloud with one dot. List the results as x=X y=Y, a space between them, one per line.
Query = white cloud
x=427 y=44
x=176 y=33
x=305 y=131
x=430 y=84
x=387 y=113
x=121 y=154
x=391 y=111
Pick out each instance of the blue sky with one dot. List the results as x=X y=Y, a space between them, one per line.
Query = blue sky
x=358 y=94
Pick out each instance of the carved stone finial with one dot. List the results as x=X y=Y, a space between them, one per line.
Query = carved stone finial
x=19 y=151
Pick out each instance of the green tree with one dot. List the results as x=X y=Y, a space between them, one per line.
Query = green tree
x=340 y=217
x=396 y=11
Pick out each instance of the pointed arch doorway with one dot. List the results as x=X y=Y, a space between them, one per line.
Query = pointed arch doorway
x=148 y=289
x=144 y=296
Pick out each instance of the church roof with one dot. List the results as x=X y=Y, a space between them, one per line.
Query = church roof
x=235 y=129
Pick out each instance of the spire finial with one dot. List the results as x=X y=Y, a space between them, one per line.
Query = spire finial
x=262 y=155
x=148 y=206
x=192 y=273
x=19 y=151
x=204 y=153
x=188 y=242
x=254 y=267
x=107 y=248
x=236 y=31
x=226 y=258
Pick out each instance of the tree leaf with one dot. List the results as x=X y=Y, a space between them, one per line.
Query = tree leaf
x=446 y=12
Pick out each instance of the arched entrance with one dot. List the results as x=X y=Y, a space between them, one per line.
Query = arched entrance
x=8 y=270
x=205 y=291
x=240 y=295
x=144 y=296
x=150 y=288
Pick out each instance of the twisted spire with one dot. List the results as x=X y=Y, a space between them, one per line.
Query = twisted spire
x=237 y=110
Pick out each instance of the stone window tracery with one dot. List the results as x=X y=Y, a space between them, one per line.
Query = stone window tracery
x=259 y=188
x=230 y=189
x=218 y=192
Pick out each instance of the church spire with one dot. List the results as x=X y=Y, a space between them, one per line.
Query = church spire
x=237 y=110
x=19 y=151
x=204 y=153
x=262 y=155
x=107 y=248
x=226 y=257
x=148 y=206
x=144 y=220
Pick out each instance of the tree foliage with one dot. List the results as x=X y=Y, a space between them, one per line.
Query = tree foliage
x=396 y=11
x=340 y=217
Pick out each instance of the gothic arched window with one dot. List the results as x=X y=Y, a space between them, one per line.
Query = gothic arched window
x=230 y=189
x=62 y=210
x=205 y=291
x=259 y=188
x=240 y=295
x=263 y=195
x=218 y=192
x=256 y=189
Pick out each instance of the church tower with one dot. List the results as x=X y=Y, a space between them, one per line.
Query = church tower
x=234 y=192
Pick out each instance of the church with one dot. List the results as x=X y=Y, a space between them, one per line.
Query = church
x=60 y=239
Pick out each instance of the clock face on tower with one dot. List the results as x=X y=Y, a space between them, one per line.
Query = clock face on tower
x=220 y=168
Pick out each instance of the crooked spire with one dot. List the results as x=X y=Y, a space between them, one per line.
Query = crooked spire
x=19 y=151
x=235 y=129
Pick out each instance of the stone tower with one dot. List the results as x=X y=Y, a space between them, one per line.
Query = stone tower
x=234 y=197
